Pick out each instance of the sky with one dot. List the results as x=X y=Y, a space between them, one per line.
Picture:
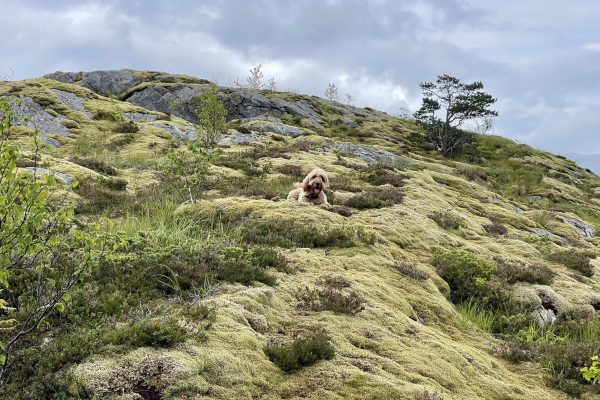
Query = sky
x=539 y=58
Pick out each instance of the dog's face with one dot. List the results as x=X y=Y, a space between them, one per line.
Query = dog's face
x=315 y=182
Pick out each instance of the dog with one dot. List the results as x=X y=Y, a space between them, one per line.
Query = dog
x=312 y=188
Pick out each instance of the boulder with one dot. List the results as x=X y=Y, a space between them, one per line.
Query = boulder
x=346 y=121
x=543 y=316
x=539 y=232
x=137 y=117
x=65 y=77
x=239 y=138
x=174 y=99
x=280 y=129
x=72 y=101
x=64 y=177
x=582 y=228
x=109 y=82
x=367 y=154
x=178 y=131
x=33 y=115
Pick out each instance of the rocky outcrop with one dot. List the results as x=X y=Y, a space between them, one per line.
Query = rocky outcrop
x=33 y=115
x=582 y=228
x=279 y=129
x=72 y=101
x=105 y=83
x=174 y=99
x=543 y=316
x=45 y=171
x=369 y=155
x=138 y=117
x=239 y=138
x=539 y=232
x=178 y=131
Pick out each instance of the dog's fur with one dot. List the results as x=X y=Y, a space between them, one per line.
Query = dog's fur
x=311 y=189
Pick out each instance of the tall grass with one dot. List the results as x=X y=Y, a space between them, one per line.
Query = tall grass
x=472 y=313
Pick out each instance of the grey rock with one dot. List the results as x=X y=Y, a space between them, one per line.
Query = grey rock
x=65 y=77
x=64 y=177
x=313 y=124
x=367 y=154
x=50 y=141
x=544 y=316
x=544 y=233
x=280 y=129
x=72 y=101
x=169 y=100
x=346 y=121
x=239 y=138
x=137 y=117
x=267 y=118
x=576 y=173
x=582 y=228
x=518 y=210
x=32 y=115
x=536 y=199
x=178 y=131
x=393 y=140
x=109 y=82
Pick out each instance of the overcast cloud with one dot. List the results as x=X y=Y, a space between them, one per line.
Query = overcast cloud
x=540 y=58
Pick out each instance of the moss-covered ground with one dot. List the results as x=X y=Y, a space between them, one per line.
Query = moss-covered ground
x=204 y=289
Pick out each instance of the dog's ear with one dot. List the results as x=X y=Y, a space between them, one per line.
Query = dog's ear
x=325 y=180
x=306 y=183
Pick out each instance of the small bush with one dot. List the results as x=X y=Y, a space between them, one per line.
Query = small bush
x=513 y=272
x=345 y=183
x=126 y=127
x=120 y=141
x=295 y=234
x=575 y=259
x=473 y=174
x=342 y=210
x=150 y=332
x=447 y=219
x=496 y=228
x=331 y=298
x=376 y=197
x=247 y=265
x=467 y=275
x=294 y=170
x=381 y=176
x=305 y=350
x=94 y=164
x=118 y=184
x=411 y=270
x=337 y=282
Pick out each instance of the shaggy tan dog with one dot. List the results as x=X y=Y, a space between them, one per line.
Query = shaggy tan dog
x=311 y=190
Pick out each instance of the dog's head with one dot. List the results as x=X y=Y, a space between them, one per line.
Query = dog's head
x=315 y=182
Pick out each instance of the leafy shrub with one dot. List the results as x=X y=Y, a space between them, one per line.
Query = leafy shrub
x=473 y=174
x=496 y=228
x=467 y=275
x=296 y=234
x=331 y=296
x=246 y=265
x=126 y=127
x=150 y=332
x=513 y=272
x=577 y=260
x=592 y=373
x=342 y=210
x=411 y=270
x=382 y=176
x=447 y=219
x=94 y=164
x=305 y=350
x=376 y=197
x=118 y=184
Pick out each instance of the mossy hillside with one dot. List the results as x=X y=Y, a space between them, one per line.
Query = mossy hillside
x=407 y=332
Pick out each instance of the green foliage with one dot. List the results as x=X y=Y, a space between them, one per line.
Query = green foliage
x=126 y=127
x=468 y=276
x=211 y=117
x=333 y=294
x=295 y=234
x=306 y=349
x=383 y=176
x=513 y=272
x=246 y=265
x=186 y=168
x=376 y=197
x=151 y=332
x=447 y=219
x=578 y=260
x=592 y=373
x=94 y=164
x=118 y=184
x=457 y=102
